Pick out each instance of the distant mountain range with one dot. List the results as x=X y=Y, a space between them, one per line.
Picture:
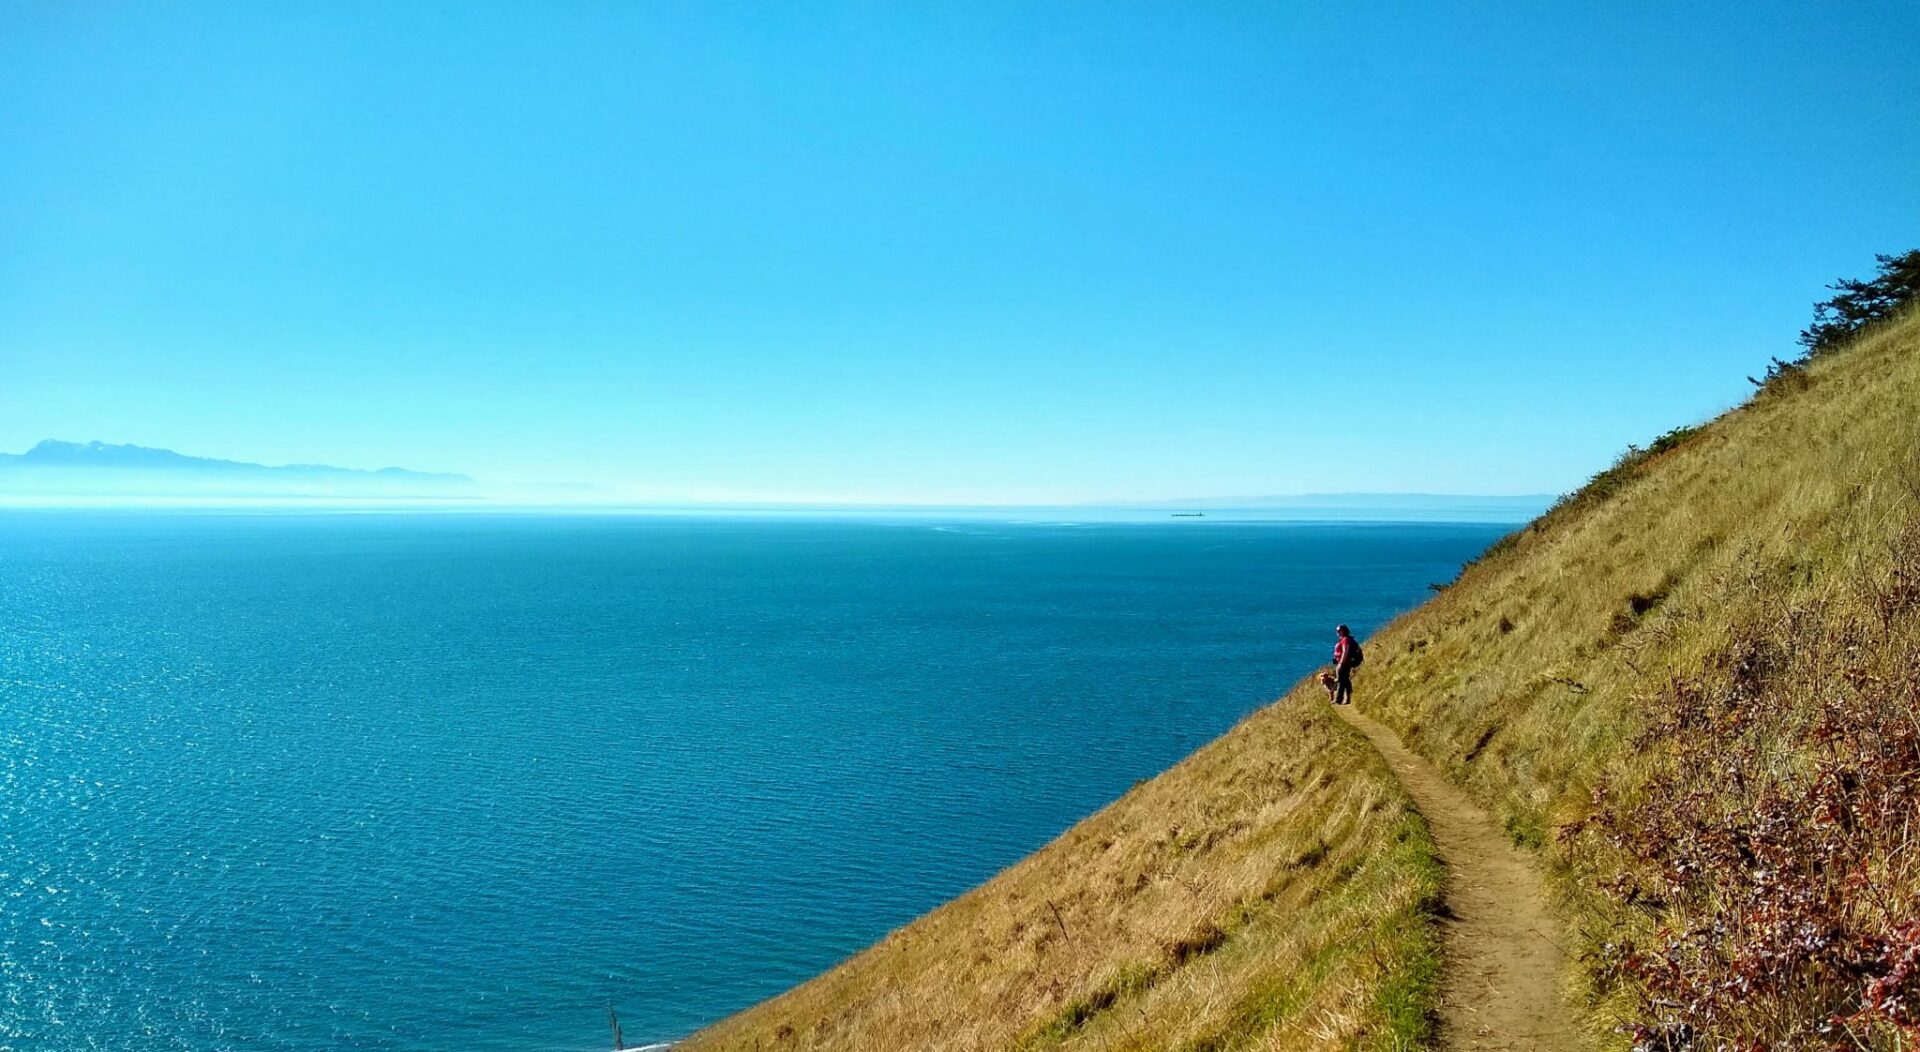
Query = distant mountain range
x=97 y=469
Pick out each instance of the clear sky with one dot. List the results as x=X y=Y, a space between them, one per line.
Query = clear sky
x=933 y=252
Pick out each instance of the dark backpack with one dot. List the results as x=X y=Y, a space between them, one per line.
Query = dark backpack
x=1354 y=654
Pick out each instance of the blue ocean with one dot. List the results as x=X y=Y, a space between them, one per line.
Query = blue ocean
x=278 y=781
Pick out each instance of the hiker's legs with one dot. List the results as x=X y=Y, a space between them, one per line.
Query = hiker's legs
x=1343 y=686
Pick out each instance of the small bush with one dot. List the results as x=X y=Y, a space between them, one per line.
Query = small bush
x=1524 y=831
x=1782 y=376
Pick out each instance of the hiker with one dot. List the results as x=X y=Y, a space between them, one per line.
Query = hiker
x=1346 y=657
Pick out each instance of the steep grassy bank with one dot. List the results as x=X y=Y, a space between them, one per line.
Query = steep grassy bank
x=1696 y=686
x=1271 y=891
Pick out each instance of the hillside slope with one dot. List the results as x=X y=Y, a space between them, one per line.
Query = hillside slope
x=1696 y=685
x=1693 y=688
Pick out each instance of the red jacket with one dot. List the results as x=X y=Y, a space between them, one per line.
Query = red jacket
x=1340 y=650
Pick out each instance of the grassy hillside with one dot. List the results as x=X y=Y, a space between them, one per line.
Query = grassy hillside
x=1693 y=687
x=1271 y=891
x=1696 y=686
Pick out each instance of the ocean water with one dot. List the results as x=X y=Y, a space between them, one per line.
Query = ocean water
x=436 y=782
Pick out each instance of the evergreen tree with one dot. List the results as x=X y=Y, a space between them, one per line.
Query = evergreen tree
x=1858 y=304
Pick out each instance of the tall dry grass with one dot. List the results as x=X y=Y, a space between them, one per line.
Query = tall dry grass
x=1671 y=682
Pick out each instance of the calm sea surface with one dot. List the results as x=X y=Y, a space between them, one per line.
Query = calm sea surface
x=436 y=782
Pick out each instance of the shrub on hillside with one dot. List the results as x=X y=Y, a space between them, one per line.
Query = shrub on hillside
x=1858 y=304
x=1782 y=375
x=1771 y=849
x=1855 y=307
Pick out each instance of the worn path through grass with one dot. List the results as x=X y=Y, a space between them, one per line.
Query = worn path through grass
x=1502 y=987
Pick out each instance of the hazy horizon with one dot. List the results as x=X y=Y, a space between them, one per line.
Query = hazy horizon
x=57 y=473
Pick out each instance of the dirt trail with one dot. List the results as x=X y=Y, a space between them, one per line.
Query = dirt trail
x=1502 y=985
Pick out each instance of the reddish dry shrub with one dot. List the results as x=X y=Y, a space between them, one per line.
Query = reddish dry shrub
x=1771 y=847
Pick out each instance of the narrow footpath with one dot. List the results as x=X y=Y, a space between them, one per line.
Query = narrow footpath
x=1503 y=968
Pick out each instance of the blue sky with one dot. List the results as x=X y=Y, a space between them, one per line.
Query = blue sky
x=920 y=252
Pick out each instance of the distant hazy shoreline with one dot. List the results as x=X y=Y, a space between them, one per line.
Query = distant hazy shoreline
x=1465 y=511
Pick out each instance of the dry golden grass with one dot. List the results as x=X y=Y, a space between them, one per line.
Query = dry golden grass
x=1522 y=677
x=1269 y=892
x=1534 y=677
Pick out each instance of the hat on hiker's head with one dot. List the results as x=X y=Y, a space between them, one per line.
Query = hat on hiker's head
x=1343 y=630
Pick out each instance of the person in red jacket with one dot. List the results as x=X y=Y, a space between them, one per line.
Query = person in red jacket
x=1346 y=657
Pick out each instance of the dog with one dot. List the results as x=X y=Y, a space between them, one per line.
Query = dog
x=1329 y=681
